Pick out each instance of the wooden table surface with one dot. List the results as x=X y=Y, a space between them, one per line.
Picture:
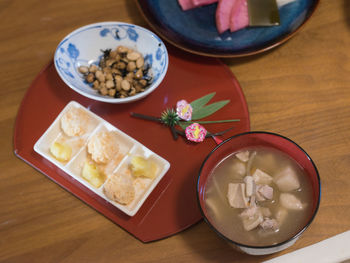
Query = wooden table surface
x=300 y=89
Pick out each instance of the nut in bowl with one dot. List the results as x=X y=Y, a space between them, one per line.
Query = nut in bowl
x=259 y=191
x=112 y=62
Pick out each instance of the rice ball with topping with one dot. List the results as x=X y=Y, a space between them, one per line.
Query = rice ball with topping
x=74 y=122
x=103 y=146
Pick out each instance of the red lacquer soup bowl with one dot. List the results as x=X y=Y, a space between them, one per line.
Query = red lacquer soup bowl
x=266 y=140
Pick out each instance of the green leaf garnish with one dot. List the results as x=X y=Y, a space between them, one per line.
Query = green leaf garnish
x=208 y=110
x=198 y=103
x=184 y=125
x=210 y=122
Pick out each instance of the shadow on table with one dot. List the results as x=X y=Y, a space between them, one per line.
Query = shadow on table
x=134 y=12
x=209 y=246
x=231 y=62
x=346 y=10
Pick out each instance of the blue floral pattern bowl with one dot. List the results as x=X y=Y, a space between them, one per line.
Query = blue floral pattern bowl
x=83 y=47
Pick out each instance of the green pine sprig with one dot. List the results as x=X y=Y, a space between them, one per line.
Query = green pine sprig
x=170 y=118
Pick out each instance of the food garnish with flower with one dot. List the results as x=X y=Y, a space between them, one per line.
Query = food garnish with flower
x=188 y=117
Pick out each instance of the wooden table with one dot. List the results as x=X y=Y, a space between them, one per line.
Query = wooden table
x=300 y=89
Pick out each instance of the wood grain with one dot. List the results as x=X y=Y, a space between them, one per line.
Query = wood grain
x=300 y=89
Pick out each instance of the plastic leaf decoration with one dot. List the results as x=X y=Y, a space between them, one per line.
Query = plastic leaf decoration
x=208 y=110
x=201 y=110
x=198 y=103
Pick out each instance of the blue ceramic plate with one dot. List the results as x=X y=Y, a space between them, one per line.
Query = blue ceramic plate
x=195 y=31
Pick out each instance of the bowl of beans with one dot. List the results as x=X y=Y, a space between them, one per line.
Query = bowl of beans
x=112 y=62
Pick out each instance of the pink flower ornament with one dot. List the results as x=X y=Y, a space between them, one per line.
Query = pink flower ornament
x=184 y=110
x=195 y=132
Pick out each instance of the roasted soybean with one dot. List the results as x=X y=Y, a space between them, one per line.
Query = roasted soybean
x=121 y=73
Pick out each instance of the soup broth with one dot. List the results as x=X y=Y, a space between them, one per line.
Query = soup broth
x=241 y=204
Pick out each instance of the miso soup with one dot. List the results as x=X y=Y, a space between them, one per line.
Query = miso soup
x=258 y=196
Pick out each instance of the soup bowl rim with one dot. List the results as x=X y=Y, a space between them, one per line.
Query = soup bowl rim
x=288 y=240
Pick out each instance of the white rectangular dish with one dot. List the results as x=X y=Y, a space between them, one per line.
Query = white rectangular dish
x=117 y=163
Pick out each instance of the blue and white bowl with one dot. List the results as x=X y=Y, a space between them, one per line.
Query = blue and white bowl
x=83 y=47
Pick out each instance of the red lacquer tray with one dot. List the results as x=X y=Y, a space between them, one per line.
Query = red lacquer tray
x=172 y=206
